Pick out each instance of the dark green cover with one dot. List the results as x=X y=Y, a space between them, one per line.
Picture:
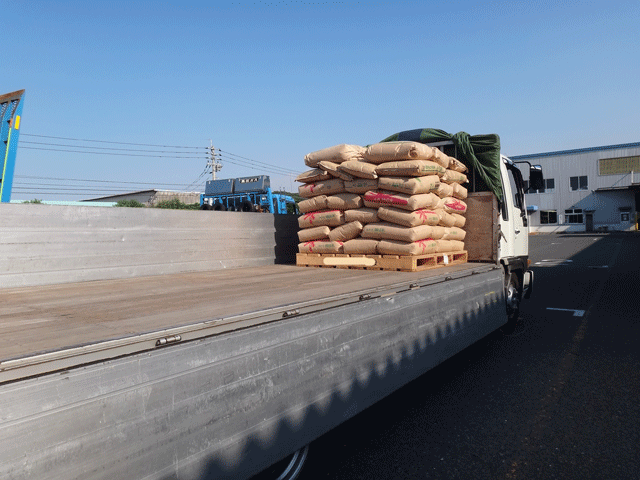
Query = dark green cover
x=480 y=153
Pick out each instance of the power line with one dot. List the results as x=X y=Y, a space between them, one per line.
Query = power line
x=118 y=154
x=116 y=143
x=99 y=181
x=99 y=148
x=293 y=172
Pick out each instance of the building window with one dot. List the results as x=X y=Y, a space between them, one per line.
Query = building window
x=548 y=187
x=579 y=183
x=573 y=215
x=548 y=217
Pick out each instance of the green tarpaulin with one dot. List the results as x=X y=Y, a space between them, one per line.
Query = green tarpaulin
x=480 y=153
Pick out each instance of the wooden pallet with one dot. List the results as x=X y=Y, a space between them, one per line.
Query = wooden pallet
x=413 y=263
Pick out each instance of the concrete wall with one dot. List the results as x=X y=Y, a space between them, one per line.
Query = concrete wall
x=48 y=244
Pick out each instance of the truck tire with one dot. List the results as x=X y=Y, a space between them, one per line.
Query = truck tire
x=288 y=468
x=512 y=296
x=247 y=206
x=219 y=207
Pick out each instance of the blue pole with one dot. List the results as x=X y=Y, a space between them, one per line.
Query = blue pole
x=11 y=109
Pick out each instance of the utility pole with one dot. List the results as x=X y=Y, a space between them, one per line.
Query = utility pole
x=214 y=163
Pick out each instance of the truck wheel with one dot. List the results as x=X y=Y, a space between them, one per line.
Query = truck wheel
x=219 y=207
x=288 y=468
x=247 y=206
x=512 y=295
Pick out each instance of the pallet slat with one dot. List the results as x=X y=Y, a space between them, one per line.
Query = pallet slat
x=413 y=263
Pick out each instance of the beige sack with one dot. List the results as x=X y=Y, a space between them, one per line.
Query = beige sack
x=311 y=176
x=451 y=176
x=389 y=151
x=453 y=205
x=362 y=215
x=410 y=185
x=344 y=201
x=380 y=198
x=390 y=231
x=337 y=154
x=314 y=233
x=361 y=246
x=313 y=204
x=359 y=169
x=326 y=187
x=444 y=190
x=331 y=168
x=459 y=191
x=361 y=185
x=446 y=219
x=459 y=220
x=410 y=168
x=345 y=232
x=457 y=165
x=395 y=247
x=446 y=246
x=330 y=218
x=408 y=219
x=453 y=233
x=441 y=158
x=320 y=246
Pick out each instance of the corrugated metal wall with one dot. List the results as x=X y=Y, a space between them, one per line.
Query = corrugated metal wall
x=46 y=244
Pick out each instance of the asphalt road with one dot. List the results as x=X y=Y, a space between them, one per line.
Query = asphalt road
x=557 y=398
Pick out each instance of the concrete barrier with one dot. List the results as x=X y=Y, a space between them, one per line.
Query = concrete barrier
x=49 y=244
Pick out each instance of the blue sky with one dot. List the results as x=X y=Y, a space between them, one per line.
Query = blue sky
x=271 y=81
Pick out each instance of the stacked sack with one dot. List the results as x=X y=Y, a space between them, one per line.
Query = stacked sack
x=399 y=198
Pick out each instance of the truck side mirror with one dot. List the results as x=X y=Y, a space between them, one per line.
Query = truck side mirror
x=536 y=180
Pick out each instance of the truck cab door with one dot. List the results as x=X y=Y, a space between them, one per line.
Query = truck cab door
x=514 y=222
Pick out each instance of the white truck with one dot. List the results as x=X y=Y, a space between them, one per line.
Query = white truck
x=155 y=344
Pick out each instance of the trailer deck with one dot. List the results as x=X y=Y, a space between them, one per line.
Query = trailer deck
x=51 y=327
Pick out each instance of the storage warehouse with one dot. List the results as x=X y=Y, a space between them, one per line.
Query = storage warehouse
x=588 y=189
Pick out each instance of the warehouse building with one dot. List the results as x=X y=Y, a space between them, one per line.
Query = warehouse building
x=586 y=190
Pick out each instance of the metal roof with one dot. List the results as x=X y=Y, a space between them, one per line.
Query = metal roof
x=577 y=150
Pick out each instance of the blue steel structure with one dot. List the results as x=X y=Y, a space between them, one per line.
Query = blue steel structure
x=10 y=114
x=246 y=194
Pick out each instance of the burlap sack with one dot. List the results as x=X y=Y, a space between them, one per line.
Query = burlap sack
x=361 y=246
x=444 y=190
x=330 y=218
x=453 y=233
x=313 y=204
x=446 y=218
x=390 y=151
x=441 y=158
x=408 y=219
x=390 y=231
x=331 y=168
x=345 y=232
x=447 y=246
x=410 y=185
x=326 y=187
x=453 y=205
x=361 y=185
x=410 y=168
x=314 y=233
x=337 y=154
x=362 y=215
x=344 y=201
x=451 y=176
x=457 y=165
x=395 y=247
x=459 y=220
x=381 y=198
x=311 y=176
x=359 y=169
x=319 y=246
x=459 y=191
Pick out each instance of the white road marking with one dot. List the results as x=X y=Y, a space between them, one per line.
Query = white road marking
x=552 y=262
x=576 y=313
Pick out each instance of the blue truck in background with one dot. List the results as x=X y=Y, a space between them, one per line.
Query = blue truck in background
x=246 y=194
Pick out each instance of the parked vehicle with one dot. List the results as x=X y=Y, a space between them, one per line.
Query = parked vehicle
x=162 y=371
x=246 y=194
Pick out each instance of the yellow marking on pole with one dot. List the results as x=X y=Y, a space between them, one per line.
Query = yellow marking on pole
x=17 y=126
